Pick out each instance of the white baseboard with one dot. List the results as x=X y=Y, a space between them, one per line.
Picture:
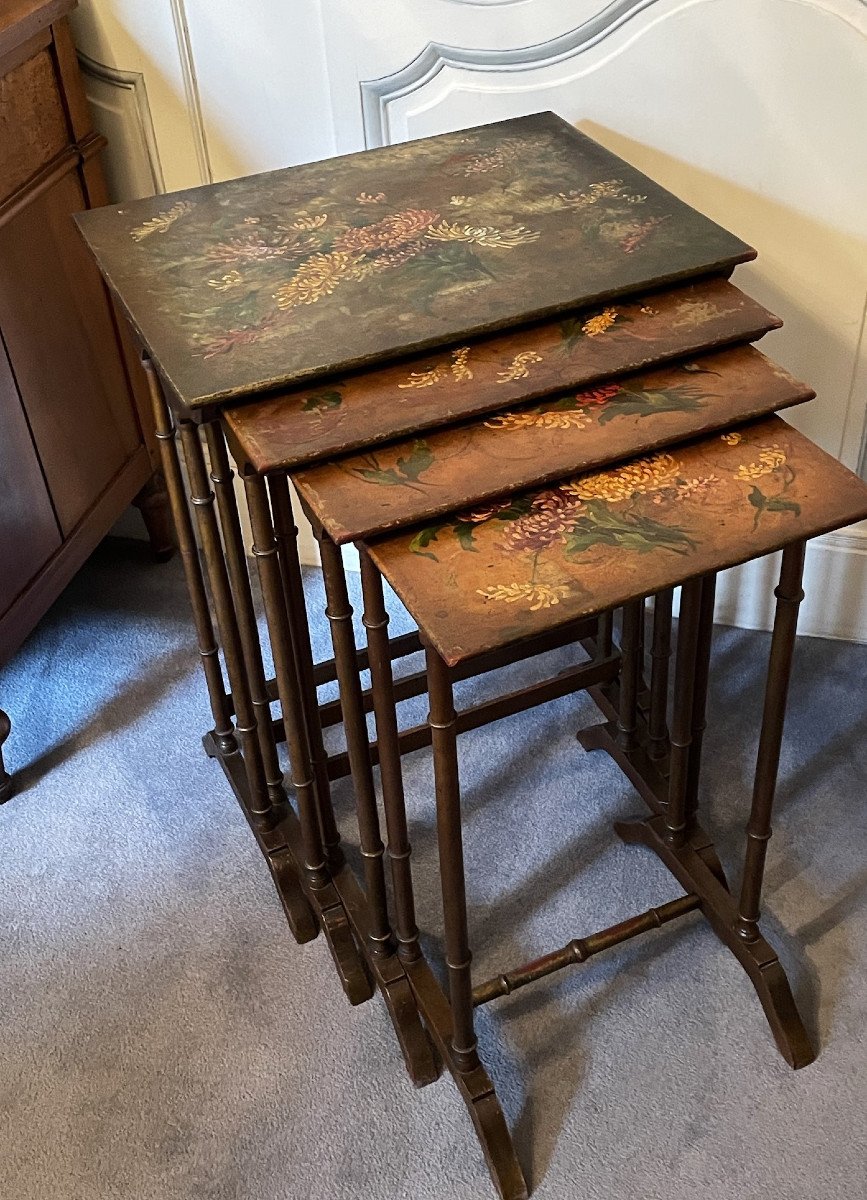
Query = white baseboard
x=835 y=586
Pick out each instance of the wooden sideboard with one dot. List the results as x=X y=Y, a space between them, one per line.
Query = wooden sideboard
x=76 y=439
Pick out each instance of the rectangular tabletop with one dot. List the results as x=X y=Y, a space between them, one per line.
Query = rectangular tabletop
x=263 y=282
x=486 y=579
x=416 y=480
x=493 y=373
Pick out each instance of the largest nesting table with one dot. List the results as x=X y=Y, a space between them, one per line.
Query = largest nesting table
x=368 y=324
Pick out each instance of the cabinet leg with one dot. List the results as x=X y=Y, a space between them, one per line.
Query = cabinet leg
x=7 y=783
x=153 y=504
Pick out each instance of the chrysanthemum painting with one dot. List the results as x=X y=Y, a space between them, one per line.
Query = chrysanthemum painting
x=279 y=277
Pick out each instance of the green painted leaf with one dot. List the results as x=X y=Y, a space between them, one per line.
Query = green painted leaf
x=423 y=539
x=384 y=478
x=464 y=531
x=322 y=401
x=780 y=504
x=419 y=461
x=603 y=525
x=518 y=508
x=758 y=499
x=571 y=331
x=646 y=403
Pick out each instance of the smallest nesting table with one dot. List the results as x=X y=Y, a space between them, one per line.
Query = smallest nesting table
x=583 y=547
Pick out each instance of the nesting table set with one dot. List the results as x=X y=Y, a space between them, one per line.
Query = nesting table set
x=513 y=372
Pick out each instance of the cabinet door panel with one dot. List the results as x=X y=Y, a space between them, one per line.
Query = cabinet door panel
x=28 y=530
x=32 y=121
x=63 y=349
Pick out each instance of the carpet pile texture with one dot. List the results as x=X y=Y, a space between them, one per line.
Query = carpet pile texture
x=163 y=1038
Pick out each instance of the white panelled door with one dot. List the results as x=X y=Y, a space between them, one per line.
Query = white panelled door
x=752 y=110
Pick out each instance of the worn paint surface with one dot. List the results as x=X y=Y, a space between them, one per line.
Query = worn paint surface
x=266 y=281
x=492 y=576
x=493 y=373
x=406 y=482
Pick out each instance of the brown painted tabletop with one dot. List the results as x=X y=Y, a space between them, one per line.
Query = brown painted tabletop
x=257 y=283
x=407 y=482
x=503 y=369
x=489 y=578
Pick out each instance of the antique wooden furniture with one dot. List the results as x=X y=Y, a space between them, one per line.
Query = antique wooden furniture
x=703 y=496
x=412 y=334
x=5 y=777
x=77 y=436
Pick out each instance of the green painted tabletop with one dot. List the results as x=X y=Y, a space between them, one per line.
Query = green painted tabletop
x=241 y=287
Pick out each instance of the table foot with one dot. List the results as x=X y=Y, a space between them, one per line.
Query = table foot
x=475 y=1087
x=422 y=1061
x=648 y=778
x=344 y=951
x=390 y=975
x=758 y=958
x=299 y=914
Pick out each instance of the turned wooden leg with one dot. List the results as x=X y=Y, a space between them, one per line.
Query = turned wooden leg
x=701 y=680
x=153 y=504
x=6 y=780
x=682 y=711
x=605 y=634
x=223 y=732
x=443 y=724
x=421 y=1062
x=260 y=812
x=382 y=683
x=660 y=656
x=290 y=567
x=236 y=562
x=452 y=1023
x=630 y=674
x=339 y=613
x=677 y=839
x=789 y=596
x=314 y=866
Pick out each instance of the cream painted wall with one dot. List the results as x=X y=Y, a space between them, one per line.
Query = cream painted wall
x=751 y=109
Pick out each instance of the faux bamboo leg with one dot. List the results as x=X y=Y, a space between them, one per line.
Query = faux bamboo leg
x=699 y=698
x=339 y=613
x=660 y=656
x=293 y=583
x=382 y=682
x=165 y=431
x=315 y=871
x=605 y=634
x=443 y=723
x=789 y=595
x=236 y=561
x=630 y=674
x=259 y=804
x=452 y=1023
x=421 y=1061
x=682 y=712
x=692 y=859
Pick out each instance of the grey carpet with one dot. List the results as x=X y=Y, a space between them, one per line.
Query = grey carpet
x=163 y=1038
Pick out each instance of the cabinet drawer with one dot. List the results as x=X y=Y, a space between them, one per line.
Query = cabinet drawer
x=33 y=125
